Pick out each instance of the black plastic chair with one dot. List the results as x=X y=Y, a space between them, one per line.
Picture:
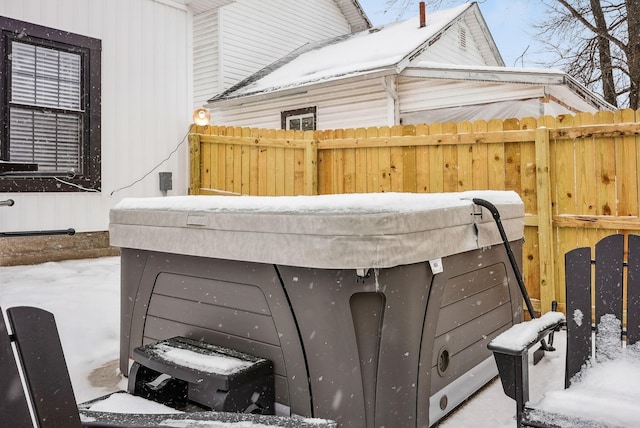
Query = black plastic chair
x=49 y=391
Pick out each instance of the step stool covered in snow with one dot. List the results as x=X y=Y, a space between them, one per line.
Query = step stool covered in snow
x=178 y=370
x=375 y=309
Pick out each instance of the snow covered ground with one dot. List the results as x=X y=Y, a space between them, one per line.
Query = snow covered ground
x=84 y=296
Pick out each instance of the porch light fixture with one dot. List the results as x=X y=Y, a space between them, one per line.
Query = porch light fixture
x=201 y=116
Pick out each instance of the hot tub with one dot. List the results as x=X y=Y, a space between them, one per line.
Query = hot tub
x=375 y=309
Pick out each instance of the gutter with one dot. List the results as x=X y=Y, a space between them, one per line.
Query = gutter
x=300 y=89
x=587 y=95
x=517 y=76
x=490 y=75
x=511 y=76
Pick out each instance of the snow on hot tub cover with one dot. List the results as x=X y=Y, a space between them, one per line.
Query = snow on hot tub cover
x=349 y=231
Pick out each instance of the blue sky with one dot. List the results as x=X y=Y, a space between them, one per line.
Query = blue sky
x=510 y=23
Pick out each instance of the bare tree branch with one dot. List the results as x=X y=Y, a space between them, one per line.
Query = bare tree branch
x=590 y=39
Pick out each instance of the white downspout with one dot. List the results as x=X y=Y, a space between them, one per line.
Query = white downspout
x=390 y=85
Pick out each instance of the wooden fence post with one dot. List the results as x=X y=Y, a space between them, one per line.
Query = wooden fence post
x=195 y=163
x=545 y=220
x=311 y=168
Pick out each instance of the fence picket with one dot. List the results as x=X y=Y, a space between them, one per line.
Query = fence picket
x=423 y=167
x=436 y=161
x=464 y=158
x=373 y=164
x=496 y=165
x=396 y=162
x=480 y=158
x=450 y=158
x=361 y=160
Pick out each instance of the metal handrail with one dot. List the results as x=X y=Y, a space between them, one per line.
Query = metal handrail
x=10 y=203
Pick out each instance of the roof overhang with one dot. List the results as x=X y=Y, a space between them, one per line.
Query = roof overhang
x=354 y=14
x=545 y=77
x=351 y=9
x=479 y=26
x=486 y=74
x=563 y=83
x=301 y=89
x=197 y=6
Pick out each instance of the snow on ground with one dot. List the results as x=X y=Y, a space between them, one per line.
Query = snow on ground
x=84 y=296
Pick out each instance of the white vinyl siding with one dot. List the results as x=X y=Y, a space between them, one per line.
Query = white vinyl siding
x=361 y=104
x=335 y=107
x=146 y=105
x=447 y=48
x=206 y=68
x=272 y=33
x=423 y=94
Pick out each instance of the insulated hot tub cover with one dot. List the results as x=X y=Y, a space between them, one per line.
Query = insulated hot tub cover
x=347 y=231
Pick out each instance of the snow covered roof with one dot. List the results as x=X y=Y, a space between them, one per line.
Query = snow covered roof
x=397 y=49
x=386 y=49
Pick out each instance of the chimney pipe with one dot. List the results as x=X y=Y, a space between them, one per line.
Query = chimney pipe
x=423 y=15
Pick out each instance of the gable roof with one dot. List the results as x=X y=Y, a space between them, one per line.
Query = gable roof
x=383 y=50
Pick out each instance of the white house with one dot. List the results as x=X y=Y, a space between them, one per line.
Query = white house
x=446 y=68
x=99 y=96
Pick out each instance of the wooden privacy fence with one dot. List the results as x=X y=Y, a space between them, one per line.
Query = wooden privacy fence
x=577 y=175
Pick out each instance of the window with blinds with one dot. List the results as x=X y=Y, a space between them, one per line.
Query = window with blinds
x=50 y=111
x=45 y=118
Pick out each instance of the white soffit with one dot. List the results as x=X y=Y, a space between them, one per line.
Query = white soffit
x=355 y=15
x=199 y=6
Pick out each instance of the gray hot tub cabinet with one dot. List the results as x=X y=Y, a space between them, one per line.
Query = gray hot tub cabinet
x=375 y=309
